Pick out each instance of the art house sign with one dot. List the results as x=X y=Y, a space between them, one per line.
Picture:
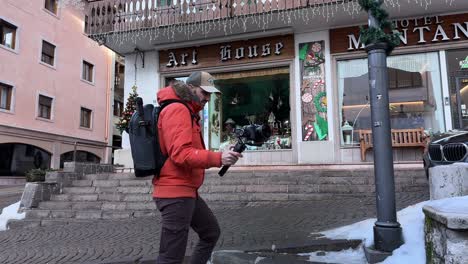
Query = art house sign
x=413 y=31
x=231 y=53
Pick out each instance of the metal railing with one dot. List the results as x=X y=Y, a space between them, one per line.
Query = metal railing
x=110 y=16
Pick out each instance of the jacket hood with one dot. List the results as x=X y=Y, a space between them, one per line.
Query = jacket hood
x=181 y=91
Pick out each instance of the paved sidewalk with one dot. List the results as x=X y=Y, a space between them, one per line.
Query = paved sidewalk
x=10 y=194
x=258 y=225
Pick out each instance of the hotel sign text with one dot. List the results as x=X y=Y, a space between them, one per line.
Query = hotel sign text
x=413 y=31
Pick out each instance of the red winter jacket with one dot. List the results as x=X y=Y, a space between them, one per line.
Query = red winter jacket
x=180 y=139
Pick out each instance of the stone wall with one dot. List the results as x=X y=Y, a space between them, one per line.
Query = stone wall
x=445 y=244
x=448 y=181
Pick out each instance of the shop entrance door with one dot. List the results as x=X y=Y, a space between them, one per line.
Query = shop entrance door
x=462 y=101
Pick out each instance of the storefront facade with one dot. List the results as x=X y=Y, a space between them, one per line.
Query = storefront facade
x=311 y=87
x=427 y=75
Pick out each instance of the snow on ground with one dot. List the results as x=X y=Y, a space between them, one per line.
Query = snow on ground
x=348 y=256
x=10 y=212
x=412 y=222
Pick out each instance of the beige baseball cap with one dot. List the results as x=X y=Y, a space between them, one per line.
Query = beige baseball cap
x=203 y=80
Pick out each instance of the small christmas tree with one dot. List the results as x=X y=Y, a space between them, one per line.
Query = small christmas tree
x=130 y=108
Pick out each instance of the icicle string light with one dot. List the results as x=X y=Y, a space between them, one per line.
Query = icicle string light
x=121 y=21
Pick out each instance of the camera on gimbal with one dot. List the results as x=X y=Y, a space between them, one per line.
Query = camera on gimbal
x=252 y=135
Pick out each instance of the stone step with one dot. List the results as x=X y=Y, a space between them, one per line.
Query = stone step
x=107 y=213
x=110 y=183
x=129 y=197
x=115 y=189
x=97 y=205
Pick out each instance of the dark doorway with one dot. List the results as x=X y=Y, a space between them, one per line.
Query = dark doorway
x=16 y=159
x=81 y=156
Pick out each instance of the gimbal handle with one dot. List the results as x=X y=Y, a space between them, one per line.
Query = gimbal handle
x=239 y=148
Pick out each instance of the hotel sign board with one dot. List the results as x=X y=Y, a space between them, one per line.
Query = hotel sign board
x=414 y=31
x=227 y=54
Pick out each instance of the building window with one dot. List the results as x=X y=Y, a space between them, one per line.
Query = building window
x=88 y=70
x=163 y=3
x=8 y=34
x=45 y=107
x=86 y=24
x=415 y=95
x=51 y=5
x=48 y=53
x=118 y=108
x=85 y=119
x=5 y=96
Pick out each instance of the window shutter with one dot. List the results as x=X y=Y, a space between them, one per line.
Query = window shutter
x=48 y=49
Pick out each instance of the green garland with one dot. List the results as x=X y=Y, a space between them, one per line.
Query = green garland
x=376 y=35
x=318 y=102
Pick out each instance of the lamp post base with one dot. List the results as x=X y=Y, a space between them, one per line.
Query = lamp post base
x=387 y=239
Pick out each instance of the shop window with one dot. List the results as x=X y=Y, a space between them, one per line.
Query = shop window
x=48 y=53
x=85 y=117
x=5 y=96
x=415 y=95
x=457 y=62
x=8 y=34
x=88 y=72
x=45 y=107
x=51 y=6
x=252 y=97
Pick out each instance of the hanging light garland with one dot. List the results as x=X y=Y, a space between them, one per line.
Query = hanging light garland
x=138 y=20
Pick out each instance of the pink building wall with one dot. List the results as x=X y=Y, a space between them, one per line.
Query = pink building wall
x=22 y=68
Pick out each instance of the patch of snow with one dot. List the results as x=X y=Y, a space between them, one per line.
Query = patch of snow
x=10 y=212
x=412 y=223
x=348 y=256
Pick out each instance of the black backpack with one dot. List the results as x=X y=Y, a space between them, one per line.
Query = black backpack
x=148 y=159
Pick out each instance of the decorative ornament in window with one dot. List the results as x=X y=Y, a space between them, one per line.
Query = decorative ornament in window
x=313 y=91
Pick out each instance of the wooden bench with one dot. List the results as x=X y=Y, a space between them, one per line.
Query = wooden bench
x=401 y=138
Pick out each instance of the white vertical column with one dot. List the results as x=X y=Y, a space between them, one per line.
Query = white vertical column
x=445 y=90
x=147 y=80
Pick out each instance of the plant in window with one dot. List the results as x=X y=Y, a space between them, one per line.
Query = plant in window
x=130 y=107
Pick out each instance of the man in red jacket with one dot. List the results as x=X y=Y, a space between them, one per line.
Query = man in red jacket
x=176 y=190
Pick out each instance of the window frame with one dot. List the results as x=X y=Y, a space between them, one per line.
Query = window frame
x=54 y=65
x=15 y=38
x=52 y=107
x=84 y=108
x=93 y=72
x=51 y=12
x=337 y=58
x=12 y=97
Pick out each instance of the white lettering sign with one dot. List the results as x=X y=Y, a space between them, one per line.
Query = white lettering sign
x=251 y=51
x=421 y=27
x=183 y=59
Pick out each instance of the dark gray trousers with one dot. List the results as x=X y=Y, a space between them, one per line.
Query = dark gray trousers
x=178 y=214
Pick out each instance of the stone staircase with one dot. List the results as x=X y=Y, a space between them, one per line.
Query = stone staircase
x=83 y=196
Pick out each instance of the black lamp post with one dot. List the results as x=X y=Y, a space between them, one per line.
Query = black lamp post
x=387 y=230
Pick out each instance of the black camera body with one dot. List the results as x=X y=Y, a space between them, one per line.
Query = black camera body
x=253 y=135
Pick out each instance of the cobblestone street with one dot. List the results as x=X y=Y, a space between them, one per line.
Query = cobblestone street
x=244 y=226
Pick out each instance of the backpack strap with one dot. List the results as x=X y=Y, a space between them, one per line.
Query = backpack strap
x=170 y=101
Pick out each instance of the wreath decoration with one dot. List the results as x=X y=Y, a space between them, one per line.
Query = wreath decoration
x=318 y=102
x=376 y=35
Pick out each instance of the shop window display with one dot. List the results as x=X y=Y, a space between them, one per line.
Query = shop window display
x=457 y=62
x=253 y=97
x=415 y=95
